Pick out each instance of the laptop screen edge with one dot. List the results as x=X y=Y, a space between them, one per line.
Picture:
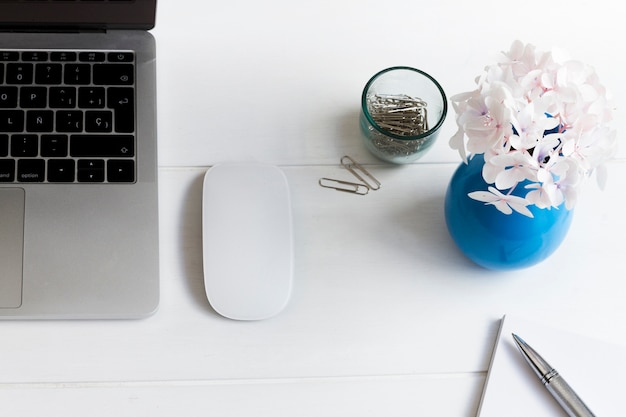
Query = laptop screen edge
x=19 y=15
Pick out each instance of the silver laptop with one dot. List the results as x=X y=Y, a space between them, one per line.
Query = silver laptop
x=78 y=159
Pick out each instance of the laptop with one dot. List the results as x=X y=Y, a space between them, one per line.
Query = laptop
x=78 y=160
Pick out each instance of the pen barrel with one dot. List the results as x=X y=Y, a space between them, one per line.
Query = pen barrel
x=567 y=398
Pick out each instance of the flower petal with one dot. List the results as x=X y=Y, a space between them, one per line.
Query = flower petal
x=484 y=196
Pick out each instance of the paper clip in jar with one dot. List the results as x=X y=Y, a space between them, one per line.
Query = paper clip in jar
x=402 y=111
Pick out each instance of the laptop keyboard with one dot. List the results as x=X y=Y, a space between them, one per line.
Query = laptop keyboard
x=67 y=116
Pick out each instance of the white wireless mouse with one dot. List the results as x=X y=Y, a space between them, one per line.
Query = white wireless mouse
x=247 y=240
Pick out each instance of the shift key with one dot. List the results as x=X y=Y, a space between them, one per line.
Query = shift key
x=102 y=146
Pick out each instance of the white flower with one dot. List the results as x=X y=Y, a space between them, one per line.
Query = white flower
x=537 y=121
x=530 y=126
x=505 y=203
x=556 y=183
x=545 y=193
x=512 y=168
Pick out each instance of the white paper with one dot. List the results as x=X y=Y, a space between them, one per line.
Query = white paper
x=596 y=370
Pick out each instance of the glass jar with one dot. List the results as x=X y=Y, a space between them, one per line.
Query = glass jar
x=402 y=111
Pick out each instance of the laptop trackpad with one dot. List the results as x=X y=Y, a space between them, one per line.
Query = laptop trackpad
x=11 y=246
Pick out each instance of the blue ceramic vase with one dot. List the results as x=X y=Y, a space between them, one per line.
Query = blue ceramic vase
x=493 y=239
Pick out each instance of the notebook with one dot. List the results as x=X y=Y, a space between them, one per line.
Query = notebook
x=596 y=370
x=78 y=159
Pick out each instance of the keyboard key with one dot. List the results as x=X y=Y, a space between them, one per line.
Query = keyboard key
x=120 y=170
x=63 y=56
x=19 y=74
x=62 y=97
x=40 y=121
x=51 y=74
x=61 y=170
x=4 y=145
x=8 y=97
x=9 y=56
x=31 y=170
x=24 y=146
x=91 y=56
x=98 y=121
x=113 y=74
x=54 y=145
x=90 y=170
x=77 y=74
x=122 y=100
x=120 y=56
x=69 y=121
x=91 y=97
x=102 y=146
x=33 y=97
x=7 y=170
x=11 y=120
x=34 y=56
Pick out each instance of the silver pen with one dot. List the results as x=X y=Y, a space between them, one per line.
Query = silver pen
x=556 y=385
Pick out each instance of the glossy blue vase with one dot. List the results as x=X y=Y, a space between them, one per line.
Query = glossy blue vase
x=493 y=239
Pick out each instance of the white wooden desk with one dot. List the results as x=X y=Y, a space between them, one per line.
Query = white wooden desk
x=387 y=318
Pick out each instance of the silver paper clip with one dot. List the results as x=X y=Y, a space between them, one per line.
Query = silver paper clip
x=361 y=188
x=345 y=186
x=355 y=168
